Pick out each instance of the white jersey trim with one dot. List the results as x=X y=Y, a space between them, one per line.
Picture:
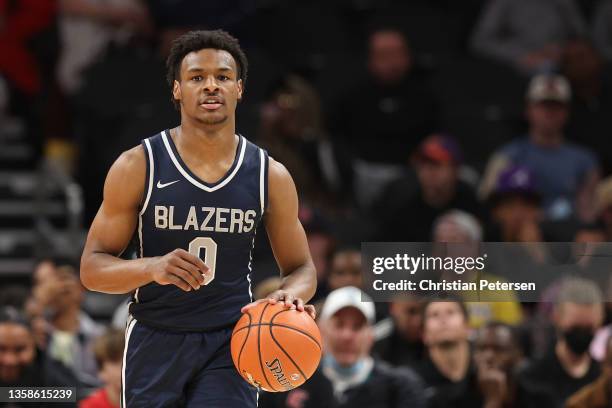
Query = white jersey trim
x=128 y=332
x=262 y=174
x=151 y=173
x=196 y=182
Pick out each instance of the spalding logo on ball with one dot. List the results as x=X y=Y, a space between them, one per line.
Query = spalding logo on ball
x=274 y=348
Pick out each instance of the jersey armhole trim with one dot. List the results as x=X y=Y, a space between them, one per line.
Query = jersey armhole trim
x=151 y=171
x=263 y=181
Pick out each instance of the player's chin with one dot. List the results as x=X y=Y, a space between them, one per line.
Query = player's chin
x=213 y=118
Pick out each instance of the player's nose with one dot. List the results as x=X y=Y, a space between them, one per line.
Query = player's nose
x=211 y=84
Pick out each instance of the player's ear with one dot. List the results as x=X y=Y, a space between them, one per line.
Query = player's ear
x=176 y=90
x=240 y=89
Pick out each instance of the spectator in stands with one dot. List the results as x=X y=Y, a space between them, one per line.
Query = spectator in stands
x=604 y=205
x=18 y=351
x=602 y=29
x=597 y=394
x=348 y=376
x=20 y=363
x=568 y=366
x=565 y=174
x=408 y=207
x=321 y=242
x=87 y=27
x=291 y=129
x=59 y=292
x=497 y=358
x=464 y=230
x=592 y=99
x=381 y=120
x=108 y=350
x=345 y=269
x=41 y=328
x=527 y=34
x=25 y=22
x=446 y=332
x=399 y=339
x=515 y=207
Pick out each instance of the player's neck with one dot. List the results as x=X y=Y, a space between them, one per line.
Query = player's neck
x=205 y=143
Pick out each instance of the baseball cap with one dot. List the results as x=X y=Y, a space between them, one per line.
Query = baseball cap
x=515 y=180
x=348 y=296
x=547 y=87
x=440 y=148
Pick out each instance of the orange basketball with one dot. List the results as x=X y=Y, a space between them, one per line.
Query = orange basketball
x=275 y=348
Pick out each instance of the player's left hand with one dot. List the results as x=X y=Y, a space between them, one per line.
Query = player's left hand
x=286 y=298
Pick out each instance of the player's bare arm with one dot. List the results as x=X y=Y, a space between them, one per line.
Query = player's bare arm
x=288 y=241
x=111 y=231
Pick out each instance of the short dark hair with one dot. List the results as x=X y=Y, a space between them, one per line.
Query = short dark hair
x=199 y=40
x=446 y=297
x=12 y=315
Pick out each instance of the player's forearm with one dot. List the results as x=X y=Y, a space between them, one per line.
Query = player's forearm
x=301 y=282
x=106 y=273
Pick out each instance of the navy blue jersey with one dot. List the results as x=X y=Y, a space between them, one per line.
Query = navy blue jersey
x=216 y=222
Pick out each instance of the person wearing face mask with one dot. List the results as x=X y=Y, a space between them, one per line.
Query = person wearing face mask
x=568 y=366
x=599 y=393
x=348 y=375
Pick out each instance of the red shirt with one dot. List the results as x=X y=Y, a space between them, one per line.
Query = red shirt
x=98 y=399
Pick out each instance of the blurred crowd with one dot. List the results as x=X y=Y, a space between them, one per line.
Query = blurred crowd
x=426 y=120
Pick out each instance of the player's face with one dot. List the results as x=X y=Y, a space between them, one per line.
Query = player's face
x=16 y=351
x=209 y=88
x=347 y=336
x=444 y=323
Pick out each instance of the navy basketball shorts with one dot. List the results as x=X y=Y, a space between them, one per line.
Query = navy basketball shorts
x=181 y=369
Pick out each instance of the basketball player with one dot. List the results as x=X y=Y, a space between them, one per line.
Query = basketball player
x=194 y=196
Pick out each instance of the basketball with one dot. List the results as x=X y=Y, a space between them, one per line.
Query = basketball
x=275 y=348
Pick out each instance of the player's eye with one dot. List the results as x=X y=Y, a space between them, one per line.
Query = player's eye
x=222 y=77
x=197 y=78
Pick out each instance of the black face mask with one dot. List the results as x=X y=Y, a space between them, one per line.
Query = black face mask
x=578 y=339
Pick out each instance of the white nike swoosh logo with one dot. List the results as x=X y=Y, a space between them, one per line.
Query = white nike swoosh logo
x=162 y=185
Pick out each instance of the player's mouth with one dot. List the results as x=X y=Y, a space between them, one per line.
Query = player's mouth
x=211 y=103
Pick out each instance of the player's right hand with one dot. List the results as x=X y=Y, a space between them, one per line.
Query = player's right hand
x=179 y=268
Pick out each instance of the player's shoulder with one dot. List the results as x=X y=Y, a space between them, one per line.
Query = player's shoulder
x=126 y=177
x=278 y=173
x=131 y=161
